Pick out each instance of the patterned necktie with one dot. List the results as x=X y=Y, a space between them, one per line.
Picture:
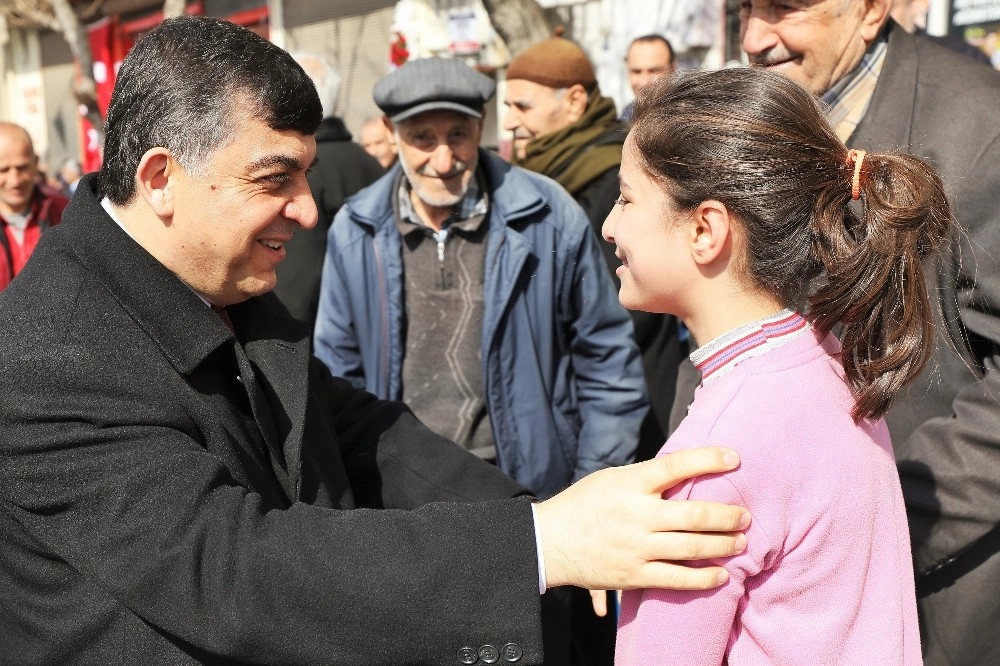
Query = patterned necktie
x=224 y=316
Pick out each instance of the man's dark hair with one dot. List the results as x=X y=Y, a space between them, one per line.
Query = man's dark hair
x=186 y=84
x=650 y=39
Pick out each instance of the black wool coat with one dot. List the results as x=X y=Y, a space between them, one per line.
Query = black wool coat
x=156 y=507
x=945 y=429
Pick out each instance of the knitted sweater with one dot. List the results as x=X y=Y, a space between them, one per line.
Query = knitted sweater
x=827 y=575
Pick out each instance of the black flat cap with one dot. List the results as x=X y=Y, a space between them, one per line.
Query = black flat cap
x=430 y=84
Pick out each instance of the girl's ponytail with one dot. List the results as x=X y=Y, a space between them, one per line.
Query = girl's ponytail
x=874 y=282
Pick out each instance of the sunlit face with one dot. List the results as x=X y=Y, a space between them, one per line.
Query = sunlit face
x=439 y=151
x=650 y=239
x=646 y=61
x=378 y=143
x=534 y=110
x=813 y=42
x=230 y=223
x=18 y=171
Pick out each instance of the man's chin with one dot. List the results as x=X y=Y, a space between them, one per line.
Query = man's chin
x=445 y=199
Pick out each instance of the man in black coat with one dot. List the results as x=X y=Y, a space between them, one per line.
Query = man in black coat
x=887 y=89
x=342 y=168
x=181 y=482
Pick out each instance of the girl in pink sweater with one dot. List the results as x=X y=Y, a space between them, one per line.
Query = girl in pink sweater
x=743 y=213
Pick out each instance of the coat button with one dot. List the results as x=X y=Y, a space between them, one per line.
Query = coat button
x=511 y=653
x=467 y=656
x=489 y=654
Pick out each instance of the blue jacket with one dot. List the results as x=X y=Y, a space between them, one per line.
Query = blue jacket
x=564 y=383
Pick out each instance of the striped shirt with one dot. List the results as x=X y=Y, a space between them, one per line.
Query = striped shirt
x=727 y=351
x=847 y=101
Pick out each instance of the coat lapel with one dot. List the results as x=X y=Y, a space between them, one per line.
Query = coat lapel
x=895 y=96
x=277 y=347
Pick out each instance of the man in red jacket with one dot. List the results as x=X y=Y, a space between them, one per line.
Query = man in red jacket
x=26 y=207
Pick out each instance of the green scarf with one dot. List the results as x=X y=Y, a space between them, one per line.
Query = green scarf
x=567 y=156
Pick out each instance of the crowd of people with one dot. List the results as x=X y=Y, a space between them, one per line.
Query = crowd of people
x=292 y=398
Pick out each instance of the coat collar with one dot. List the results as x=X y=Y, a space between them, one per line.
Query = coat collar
x=186 y=330
x=168 y=310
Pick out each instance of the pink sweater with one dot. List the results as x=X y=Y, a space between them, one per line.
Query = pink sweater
x=827 y=575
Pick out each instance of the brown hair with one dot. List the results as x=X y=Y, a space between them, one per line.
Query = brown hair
x=760 y=144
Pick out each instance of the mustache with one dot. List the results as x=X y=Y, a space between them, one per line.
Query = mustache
x=770 y=57
x=523 y=134
x=460 y=167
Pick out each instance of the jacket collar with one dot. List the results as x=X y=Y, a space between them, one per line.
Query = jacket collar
x=186 y=330
x=512 y=194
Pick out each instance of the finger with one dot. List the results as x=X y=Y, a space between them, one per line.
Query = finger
x=673 y=576
x=692 y=545
x=599 y=598
x=699 y=516
x=666 y=471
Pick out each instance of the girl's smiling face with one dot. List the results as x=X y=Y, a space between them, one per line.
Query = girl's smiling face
x=651 y=239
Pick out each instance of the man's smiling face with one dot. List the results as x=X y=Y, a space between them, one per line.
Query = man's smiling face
x=813 y=42
x=232 y=219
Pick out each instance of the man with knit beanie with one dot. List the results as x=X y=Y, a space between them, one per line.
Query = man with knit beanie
x=565 y=129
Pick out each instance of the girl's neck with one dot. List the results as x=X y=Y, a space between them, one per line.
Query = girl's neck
x=720 y=315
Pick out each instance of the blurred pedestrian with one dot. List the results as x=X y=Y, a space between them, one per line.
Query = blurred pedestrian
x=342 y=168
x=27 y=207
x=565 y=129
x=648 y=57
x=69 y=175
x=377 y=140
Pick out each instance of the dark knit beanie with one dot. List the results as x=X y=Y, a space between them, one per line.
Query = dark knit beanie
x=554 y=63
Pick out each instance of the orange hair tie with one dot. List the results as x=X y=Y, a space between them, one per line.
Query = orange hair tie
x=857 y=157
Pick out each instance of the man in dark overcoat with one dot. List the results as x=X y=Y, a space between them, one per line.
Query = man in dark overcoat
x=181 y=482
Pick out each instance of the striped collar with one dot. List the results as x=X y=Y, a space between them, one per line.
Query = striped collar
x=847 y=101
x=730 y=349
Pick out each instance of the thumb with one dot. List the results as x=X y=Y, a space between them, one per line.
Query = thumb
x=666 y=471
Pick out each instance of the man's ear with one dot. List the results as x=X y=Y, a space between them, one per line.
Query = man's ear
x=710 y=233
x=876 y=13
x=156 y=173
x=576 y=100
x=389 y=127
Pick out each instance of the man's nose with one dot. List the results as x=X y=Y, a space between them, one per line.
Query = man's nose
x=757 y=34
x=510 y=121
x=302 y=210
x=442 y=159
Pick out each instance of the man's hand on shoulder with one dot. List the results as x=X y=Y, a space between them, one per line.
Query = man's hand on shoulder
x=613 y=530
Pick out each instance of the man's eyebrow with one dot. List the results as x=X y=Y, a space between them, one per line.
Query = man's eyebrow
x=269 y=161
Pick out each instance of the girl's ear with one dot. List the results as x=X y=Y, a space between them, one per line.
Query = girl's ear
x=710 y=232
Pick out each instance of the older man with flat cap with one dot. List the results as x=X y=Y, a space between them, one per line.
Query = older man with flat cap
x=476 y=292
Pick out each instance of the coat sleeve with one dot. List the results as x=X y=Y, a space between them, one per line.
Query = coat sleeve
x=606 y=364
x=949 y=464
x=128 y=508
x=336 y=336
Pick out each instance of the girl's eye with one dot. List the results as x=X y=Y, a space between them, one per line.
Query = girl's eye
x=620 y=201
